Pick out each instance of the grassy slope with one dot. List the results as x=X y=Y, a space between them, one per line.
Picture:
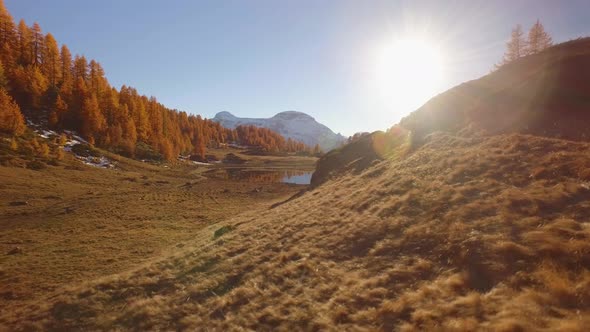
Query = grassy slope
x=465 y=233
x=542 y=94
x=82 y=223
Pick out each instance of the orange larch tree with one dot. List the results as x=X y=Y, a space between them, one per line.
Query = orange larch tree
x=11 y=119
x=41 y=76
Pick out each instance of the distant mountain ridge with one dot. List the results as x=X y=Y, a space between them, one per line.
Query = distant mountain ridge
x=291 y=124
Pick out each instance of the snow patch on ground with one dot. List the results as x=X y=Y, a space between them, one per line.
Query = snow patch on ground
x=72 y=139
x=74 y=136
x=46 y=133
x=186 y=158
x=40 y=130
x=101 y=162
x=70 y=142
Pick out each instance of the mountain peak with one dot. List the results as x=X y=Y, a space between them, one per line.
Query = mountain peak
x=224 y=114
x=290 y=124
x=288 y=115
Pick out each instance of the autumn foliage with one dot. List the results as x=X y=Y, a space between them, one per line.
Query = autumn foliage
x=43 y=77
x=267 y=139
x=11 y=119
x=518 y=46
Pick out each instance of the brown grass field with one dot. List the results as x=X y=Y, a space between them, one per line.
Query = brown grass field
x=70 y=223
x=467 y=233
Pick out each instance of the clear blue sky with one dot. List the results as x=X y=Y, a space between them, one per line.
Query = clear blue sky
x=256 y=58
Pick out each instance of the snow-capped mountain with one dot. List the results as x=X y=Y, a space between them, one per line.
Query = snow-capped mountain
x=295 y=125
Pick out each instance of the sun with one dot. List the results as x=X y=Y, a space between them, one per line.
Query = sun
x=408 y=73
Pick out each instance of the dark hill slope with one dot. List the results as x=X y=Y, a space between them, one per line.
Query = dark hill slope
x=356 y=156
x=546 y=94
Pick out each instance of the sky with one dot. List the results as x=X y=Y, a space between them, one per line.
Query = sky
x=256 y=58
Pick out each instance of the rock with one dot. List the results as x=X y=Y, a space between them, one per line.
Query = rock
x=211 y=158
x=18 y=203
x=231 y=158
x=198 y=158
x=355 y=156
x=15 y=250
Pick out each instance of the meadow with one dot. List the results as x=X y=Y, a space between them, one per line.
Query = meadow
x=67 y=222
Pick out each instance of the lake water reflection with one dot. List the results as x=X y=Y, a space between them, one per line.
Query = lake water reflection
x=266 y=176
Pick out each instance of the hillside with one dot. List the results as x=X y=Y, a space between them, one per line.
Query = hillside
x=465 y=234
x=543 y=94
x=455 y=220
x=295 y=125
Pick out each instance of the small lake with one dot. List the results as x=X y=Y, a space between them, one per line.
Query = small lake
x=304 y=178
x=263 y=176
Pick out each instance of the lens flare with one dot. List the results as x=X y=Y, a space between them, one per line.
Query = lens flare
x=409 y=72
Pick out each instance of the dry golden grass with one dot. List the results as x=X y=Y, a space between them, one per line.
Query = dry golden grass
x=461 y=235
x=69 y=223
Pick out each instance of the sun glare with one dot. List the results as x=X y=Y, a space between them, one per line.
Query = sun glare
x=409 y=72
